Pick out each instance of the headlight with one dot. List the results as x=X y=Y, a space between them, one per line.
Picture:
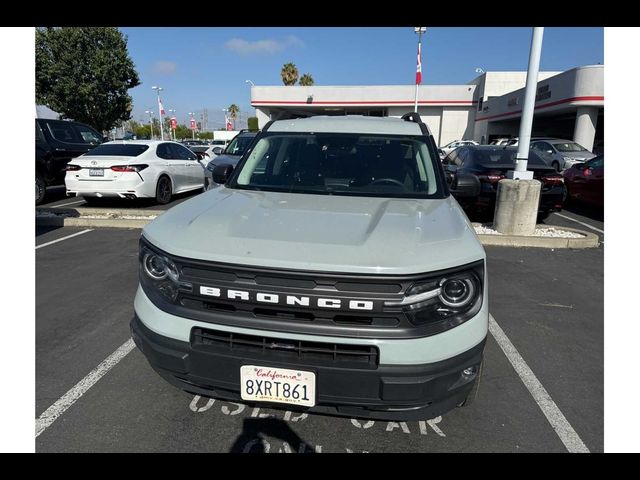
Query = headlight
x=159 y=273
x=445 y=301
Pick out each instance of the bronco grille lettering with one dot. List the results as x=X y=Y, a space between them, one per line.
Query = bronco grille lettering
x=292 y=300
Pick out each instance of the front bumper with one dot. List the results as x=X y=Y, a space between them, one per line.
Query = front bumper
x=389 y=392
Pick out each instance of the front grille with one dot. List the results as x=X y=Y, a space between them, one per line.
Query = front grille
x=291 y=351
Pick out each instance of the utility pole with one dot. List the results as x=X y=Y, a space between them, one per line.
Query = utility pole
x=150 y=112
x=160 y=110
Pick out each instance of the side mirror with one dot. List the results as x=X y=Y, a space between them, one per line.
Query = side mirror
x=217 y=150
x=221 y=173
x=466 y=185
x=105 y=139
x=200 y=155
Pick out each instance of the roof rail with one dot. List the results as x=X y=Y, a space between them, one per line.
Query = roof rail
x=412 y=117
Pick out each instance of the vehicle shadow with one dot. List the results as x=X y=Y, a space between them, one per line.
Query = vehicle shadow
x=585 y=210
x=254 y=430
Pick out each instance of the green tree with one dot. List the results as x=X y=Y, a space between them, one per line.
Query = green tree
x=252 y=124
x=84 y=73
x=289 y=74
x=233 y=113
x=306 y=80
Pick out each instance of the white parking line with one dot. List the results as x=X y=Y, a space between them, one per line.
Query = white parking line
x=51 y=414
x=581 y=223
x=65 y=204
x=64 y=238
x=562 y=427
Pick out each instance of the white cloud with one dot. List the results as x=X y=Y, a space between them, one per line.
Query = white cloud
x=164 y=67
x=267 y=46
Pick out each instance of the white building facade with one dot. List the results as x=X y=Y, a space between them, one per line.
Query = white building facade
x=568 y=105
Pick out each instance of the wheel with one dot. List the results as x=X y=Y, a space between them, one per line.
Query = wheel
x=473 y=393
x=41 y=189
x=556 y=165
x=163 y=190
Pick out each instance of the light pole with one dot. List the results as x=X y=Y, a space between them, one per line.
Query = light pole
x=191 y=124
x=160 y=109
x=526 y=122
x=173 y=114
x=249 y=81
x=150 y=112
x=419 y=31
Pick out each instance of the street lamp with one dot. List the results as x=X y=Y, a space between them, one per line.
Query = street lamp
x=173 y=114
x=160 y=109
x=150 y=112
x=479 y=70
x=191 y=124
x=249 y=81
x=419 y=31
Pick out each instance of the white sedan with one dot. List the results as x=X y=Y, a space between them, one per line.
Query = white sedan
x=135 y=169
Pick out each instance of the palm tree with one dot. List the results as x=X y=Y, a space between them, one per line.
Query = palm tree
x=233 y=113
x=289 y=74
x=306 y=80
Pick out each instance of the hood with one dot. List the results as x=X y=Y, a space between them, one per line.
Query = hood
x=578 y=156
x=318 y=232
x=224 y=158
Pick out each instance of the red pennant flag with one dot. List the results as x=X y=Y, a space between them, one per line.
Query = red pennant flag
x=419 y=68
x=161 y=108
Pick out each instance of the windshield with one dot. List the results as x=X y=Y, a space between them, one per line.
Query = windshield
x=569 y=147
x=118 y=150
x=239 y=144
x=341 y=164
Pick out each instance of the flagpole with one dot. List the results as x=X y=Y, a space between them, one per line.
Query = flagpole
x=419 y=31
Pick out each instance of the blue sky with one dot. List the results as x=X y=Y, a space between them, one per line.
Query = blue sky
x=207 y=67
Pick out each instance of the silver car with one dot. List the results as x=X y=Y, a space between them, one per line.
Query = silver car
x=561 y=154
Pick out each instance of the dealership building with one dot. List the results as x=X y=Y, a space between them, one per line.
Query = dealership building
x=568 y=105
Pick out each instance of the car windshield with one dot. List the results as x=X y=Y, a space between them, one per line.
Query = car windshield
x=118 y=150
x=489 y=157
x=239 y=144
x=569 y=147
x=341 y=164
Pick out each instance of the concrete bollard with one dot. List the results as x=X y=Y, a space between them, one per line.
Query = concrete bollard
x=517 y=206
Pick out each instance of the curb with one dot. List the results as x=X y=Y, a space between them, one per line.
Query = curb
x=91 y=222
x=590 y=240
x=100 y=211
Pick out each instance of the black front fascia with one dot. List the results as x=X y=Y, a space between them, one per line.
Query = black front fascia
x=379 y=322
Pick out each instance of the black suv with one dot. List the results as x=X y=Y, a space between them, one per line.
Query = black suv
x=231 y=154
x=57 y=142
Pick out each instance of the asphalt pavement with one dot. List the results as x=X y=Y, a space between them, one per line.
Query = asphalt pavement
x=549 y=303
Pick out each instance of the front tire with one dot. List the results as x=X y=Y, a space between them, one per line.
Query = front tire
x=163 y=190
x=41 y=189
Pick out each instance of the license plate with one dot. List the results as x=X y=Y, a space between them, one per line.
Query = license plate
x=278 y=385
x=96 y=172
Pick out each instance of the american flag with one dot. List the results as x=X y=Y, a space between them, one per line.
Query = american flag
x=419 y=68
x=228 y=122
x=161 y=107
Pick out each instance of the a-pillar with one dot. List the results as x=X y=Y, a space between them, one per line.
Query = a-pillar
x=586 y=122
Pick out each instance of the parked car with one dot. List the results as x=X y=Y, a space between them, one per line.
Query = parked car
x=57 y=142
x=230 y=155
x=489 y=164
x=331 y=271
x=455 y=144
x=500 y=141
x=205 y=152
x=135 y=169
x=585 y=181
x=560 y=154
x=189 y=143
